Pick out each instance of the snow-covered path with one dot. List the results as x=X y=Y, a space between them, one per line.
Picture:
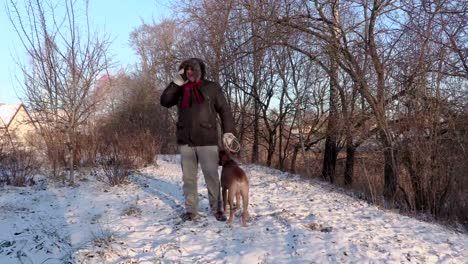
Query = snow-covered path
x=292 y=221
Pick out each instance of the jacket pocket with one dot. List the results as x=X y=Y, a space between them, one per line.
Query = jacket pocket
x=206 y=125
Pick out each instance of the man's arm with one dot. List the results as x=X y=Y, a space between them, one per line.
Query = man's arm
x=224 y=111
x=173 y=91
x=170 y=95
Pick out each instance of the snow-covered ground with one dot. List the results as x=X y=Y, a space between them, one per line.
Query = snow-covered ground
x=292 y=221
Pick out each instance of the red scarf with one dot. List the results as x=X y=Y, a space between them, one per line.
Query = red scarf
x=187 y=90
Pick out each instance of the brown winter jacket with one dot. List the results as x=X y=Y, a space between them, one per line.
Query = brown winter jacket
x=196 y=125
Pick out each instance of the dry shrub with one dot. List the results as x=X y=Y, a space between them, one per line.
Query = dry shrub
x=115 y=160
x=442 y=176
x=87 y=149
x=137 y=123
x=17 y=167
x=132 y=210
x=51 y=150
x=144 y=148
x=434 y=162
x=116 y=168
x=368 y=178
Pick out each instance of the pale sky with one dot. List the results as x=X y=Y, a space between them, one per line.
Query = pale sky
x=116 y=17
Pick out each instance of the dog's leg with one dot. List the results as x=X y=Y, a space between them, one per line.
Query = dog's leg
x=237 y=205
x=232 y=191
x=245 y=204
x=225 y=199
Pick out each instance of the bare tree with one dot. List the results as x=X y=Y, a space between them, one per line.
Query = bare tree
x=160 y=47
x=427 y=111
x=313 y=77
x=65 y=59
x=320 y=21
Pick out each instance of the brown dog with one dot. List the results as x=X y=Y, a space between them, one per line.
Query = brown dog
x=234 y=182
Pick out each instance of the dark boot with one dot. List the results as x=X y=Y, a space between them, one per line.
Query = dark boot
x=189 y=216
x=220 y=217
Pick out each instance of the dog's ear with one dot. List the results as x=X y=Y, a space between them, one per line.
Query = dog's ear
x=223 y=157
x=235 y=155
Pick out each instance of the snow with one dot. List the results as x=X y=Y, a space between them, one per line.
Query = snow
x=292 y=221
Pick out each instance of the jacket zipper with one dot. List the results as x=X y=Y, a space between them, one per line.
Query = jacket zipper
x=209 y=105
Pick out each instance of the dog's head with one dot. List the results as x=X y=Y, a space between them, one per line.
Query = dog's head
x=223 y=157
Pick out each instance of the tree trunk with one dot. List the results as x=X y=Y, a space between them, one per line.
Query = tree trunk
x=331 y=148
x=271 y=148
x=280 y=148
x=255 y=133
x=294 y=159
x=329 y=159
x=415 y=169
x=390 y=170
x=72 y=170
x=71 y=158
x=349 y=169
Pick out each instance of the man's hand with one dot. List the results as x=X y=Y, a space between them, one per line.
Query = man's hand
x=231 y=143
x=179 y=78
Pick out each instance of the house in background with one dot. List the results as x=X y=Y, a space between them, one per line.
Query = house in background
x=16 y=124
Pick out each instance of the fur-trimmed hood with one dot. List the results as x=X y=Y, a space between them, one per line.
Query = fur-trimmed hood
x=197 y=65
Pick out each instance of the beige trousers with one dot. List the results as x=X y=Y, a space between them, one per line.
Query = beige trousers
x=207 y=157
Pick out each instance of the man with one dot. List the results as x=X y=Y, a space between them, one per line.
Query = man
x=199 y=101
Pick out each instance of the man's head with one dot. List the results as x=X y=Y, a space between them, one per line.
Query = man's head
x=194 y=69
x=189 y=74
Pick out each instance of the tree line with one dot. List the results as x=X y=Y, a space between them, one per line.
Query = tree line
x=370 y=94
